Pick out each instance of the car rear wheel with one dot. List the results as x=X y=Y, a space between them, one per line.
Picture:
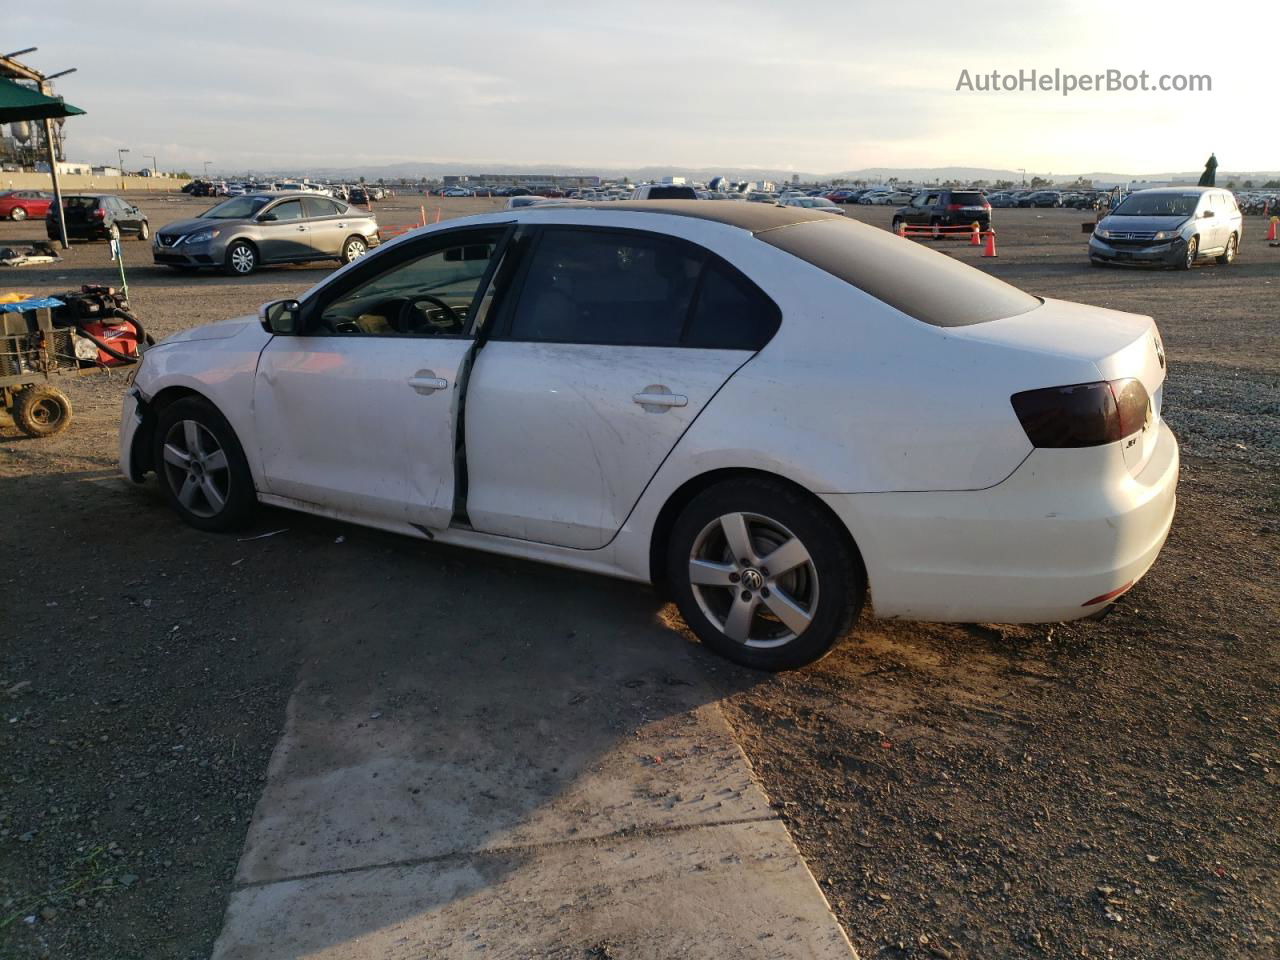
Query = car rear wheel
x=1229 y=254
x=1193 y=248
x=354 y=249
x=242 y=259
x=202 y=467
x=760 y=574
x=18 y=214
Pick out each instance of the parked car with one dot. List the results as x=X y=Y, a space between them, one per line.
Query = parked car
x=243 y=233
x=455 y=192
x=515 y=203
x=812 y=203
x=945 y=208
x=98 y=217
x=1002 y=200
x=967 y=451
x=888 y=199
x=1170 y=226
x=21 y=204
x=664 y=191
x=1041 y=198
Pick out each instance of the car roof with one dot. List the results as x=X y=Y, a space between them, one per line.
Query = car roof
x=754 y=217
x=1186 y=189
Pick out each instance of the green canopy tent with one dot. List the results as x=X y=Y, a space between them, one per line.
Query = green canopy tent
x=18 y=102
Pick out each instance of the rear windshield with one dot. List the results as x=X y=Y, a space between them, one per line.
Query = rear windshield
x=79 y=203
x=922 y=283
x=969 y=199
x=672 y=193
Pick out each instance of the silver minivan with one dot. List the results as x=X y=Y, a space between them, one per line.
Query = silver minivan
x=243 y=233
x=1169 y=226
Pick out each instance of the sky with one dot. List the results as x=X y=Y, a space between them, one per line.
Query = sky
x=804 y=85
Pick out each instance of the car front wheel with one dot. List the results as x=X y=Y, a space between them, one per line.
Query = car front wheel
x=1189 y=258
x=762 y=576
x=144 y=231
x=242 y=259
x=202 y=467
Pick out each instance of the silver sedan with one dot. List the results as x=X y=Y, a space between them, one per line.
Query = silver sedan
x=243 y=233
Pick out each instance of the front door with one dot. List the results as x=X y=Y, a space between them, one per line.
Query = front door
x=617 y=341
x=284 y=234
x=361 y=410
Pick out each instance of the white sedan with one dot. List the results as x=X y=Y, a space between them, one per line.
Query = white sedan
x=768 y=412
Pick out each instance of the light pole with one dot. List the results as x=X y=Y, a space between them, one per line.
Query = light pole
x=1023 y=171
x=120 y=152
x=147 y=156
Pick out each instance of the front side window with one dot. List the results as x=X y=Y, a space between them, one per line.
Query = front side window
x=606 y=286
x=428 y=295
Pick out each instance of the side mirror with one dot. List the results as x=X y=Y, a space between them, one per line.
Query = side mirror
x=267 y=218
x=1207 y=213
x=280 y=317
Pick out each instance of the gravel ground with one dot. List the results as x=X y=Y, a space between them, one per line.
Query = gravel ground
x=1104 y=789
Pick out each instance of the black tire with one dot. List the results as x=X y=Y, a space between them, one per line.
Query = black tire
x=230 y=504
x=826 y=588
x=1189 y=258
x=241 y=259
x=144 y=231
x=353 y=248
x=18 y=213
x=41 y=411
x=1227 y=256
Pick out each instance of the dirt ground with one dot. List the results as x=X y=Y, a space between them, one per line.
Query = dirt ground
x=1101 y=789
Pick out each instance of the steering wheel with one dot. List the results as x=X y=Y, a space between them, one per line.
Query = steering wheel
x=406 y=320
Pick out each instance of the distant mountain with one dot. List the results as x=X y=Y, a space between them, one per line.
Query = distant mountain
x=433 y=170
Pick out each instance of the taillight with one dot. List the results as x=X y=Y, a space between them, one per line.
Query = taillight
x=99 y=213
x=1083 y=414
x=952 y=207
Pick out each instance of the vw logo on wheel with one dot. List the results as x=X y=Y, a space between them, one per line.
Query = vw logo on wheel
x=752 y=580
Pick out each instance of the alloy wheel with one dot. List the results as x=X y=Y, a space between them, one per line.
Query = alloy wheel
x=196 y=468
x=355 y=250
x=242 y=259
x=19 y=213
x=754 y=580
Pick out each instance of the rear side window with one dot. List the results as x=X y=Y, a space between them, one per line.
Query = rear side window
x=924 y=284
x=319 y=207
x=731 y=312
x=602 y=286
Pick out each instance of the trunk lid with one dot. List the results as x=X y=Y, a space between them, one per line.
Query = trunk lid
x=1117 y=344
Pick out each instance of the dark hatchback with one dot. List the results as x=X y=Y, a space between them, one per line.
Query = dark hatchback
x=98 y=217
x=945 y=208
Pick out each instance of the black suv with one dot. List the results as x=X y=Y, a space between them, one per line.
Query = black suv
x=98 y=217
x=1042 y=198
x=945 y=208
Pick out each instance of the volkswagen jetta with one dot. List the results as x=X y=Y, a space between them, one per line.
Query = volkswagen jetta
x=768 y=412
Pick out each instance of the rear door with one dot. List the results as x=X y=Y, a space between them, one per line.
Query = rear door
x=613 y=344
x=327 y=228
x=284 y=233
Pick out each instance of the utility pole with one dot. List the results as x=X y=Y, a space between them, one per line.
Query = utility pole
x=120 y=152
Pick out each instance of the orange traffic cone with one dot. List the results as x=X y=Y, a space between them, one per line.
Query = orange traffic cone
x=975 y=238
x=990 y=249
x=1271 y=233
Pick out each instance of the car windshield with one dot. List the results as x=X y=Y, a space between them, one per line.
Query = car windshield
x=1158 y=205
x=237 y=208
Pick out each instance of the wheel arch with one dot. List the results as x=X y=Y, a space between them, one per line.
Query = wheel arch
x=684 y=494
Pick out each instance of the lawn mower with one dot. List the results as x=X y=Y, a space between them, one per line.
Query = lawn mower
x=70 y=334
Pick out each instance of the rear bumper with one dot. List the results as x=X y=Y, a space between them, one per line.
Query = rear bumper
x=1068 y=526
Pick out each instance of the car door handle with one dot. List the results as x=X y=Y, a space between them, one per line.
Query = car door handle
x=660 y=400
x=426 y=382
x=303 y=227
